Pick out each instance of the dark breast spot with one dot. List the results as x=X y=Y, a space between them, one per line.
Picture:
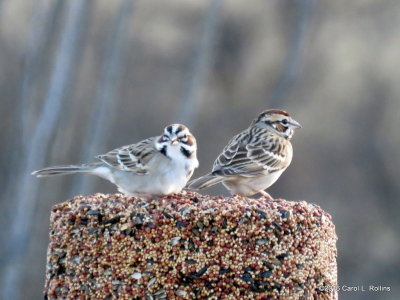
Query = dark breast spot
x=186 y=152
x=164 y=150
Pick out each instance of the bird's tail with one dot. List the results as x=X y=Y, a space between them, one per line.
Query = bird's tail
x=65 y=170
x=204 y=181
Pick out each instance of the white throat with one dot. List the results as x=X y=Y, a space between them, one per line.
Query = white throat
x=174 y=152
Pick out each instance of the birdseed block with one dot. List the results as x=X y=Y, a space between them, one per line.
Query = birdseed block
x=190 y=246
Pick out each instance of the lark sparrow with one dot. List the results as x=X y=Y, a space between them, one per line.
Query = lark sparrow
x=255 y=158
x=155 y=166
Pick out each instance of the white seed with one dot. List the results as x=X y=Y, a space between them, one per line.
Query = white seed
x=175 y=240
x=160 y=294
x=151 y=282
x=207 y=211
x=261 y=242
x=180 y=293
x=185 y=211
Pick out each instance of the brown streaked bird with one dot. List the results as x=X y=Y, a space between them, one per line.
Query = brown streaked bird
x=155 y=166
x=255 y=158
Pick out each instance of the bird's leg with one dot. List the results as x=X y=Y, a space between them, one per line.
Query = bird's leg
x=148 y=197
x=266 y=195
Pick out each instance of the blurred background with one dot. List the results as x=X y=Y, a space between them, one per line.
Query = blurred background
x=79 y=78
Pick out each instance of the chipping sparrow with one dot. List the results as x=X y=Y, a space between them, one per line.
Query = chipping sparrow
x=155 y=166
x=255 y=158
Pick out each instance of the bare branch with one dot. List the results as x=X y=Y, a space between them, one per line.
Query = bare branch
x=36 y=150
x=37 y=40
x=102 y=114
x=202 y=60
x=291 y=68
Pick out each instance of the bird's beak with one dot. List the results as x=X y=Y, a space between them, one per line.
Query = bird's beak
x=174 y=141
x=295 y=124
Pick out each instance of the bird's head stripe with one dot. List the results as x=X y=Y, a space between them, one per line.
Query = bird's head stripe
x=180 y=128
x=169 y=129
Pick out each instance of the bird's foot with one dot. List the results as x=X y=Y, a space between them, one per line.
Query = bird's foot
x=266 y=195
x=149 y=197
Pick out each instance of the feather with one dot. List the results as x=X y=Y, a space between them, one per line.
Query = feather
x=204 y=181
x=65 y=170
x=253 y=152
x=132 y=158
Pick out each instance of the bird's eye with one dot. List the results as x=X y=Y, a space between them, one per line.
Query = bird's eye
x=284 y=122
x=184 y=137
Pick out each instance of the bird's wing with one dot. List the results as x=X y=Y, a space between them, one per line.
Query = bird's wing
x=131 y=158
x=251 y=153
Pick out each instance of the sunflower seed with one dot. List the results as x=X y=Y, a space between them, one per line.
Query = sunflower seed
x=175 y=240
